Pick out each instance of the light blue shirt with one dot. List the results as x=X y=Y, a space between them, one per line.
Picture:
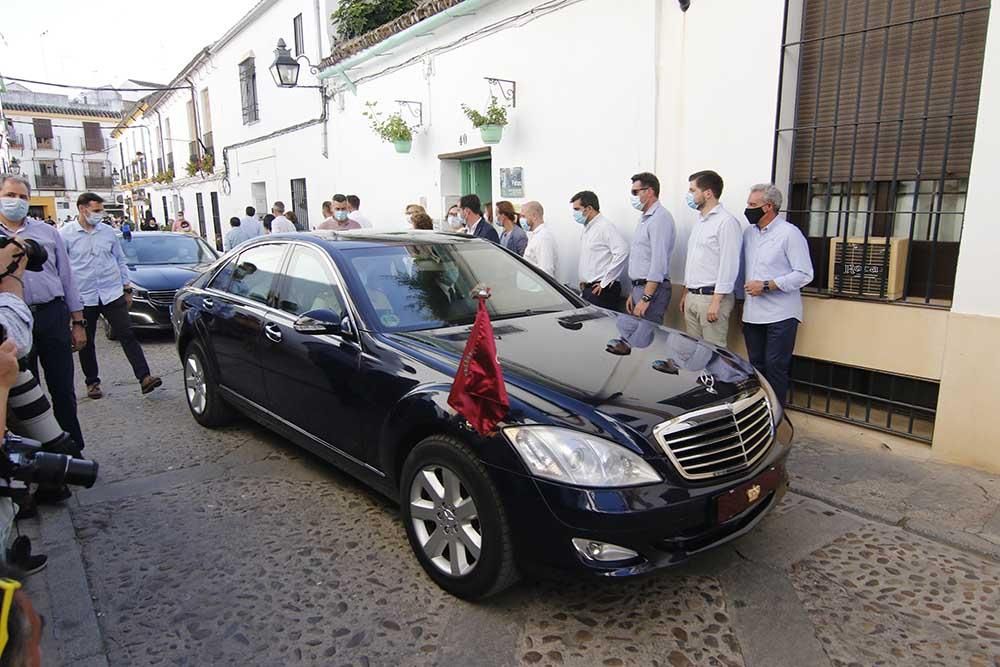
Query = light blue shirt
x=778 y=253
x=714 y=248
x=251 y=224
x=236 y=236
x=98 y=262
x=652 y=246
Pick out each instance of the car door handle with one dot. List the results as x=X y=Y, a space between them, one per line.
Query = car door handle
x=273 y=332
x=208 y=303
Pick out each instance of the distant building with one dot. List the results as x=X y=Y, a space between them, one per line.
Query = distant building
x=60 y=144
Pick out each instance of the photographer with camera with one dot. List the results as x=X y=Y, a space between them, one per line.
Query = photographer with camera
x=51 y=292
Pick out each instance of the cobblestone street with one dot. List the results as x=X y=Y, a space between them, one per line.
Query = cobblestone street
x=233 y=547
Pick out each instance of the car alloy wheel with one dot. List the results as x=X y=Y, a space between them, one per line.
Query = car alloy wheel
x=195 y=385
x=445 y=520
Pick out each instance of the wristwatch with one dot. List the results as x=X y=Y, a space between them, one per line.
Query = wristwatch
x=647 y=298
x=767 y=285
x=80 y=323
x=127 y=290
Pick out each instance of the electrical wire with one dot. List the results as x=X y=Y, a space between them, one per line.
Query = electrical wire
x=109 y=89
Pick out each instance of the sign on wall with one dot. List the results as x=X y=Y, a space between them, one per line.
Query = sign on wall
x=512 y=182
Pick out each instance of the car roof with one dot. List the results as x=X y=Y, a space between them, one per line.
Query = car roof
x=367 y=238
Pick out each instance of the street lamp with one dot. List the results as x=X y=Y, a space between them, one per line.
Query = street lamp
x=285 y=68
x=15 y=167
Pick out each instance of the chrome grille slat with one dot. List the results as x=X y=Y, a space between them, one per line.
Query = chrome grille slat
x=163 y=298
x=719 y=440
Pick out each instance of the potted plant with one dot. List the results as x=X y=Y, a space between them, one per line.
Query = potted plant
x=491 y=123
x=393 y=128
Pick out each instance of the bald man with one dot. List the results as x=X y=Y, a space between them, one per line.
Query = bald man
x=541 y=249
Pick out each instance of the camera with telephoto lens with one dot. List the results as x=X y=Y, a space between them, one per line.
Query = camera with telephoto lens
x=34 y=251
x=24 y=460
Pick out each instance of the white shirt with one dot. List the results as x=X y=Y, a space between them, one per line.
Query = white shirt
x=360 y=219
x=541 y=249
x=713 y=255
x=603 y=254
x=281 y=224
x=778 y=253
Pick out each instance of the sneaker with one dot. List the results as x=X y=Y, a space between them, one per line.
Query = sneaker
x=94 y=391
x=32 y=564
x=149 y=383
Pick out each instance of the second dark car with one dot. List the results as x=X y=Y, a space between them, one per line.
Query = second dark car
x=613 y=460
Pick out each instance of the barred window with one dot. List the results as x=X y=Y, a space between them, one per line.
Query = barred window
x=248 y=91
x=878 y=143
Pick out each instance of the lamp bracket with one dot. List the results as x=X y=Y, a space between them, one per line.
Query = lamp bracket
x=505 y=89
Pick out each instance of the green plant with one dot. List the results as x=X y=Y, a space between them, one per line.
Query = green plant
x=357 y=17
x=495 y=114
x=393 y=128
x=205 y=165
x=192 y=167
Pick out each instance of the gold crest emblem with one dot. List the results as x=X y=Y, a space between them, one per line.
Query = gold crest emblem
x=753 y=493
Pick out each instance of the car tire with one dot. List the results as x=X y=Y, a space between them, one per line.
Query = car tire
x=201 y=390
x=443 y=528
x=108 y=334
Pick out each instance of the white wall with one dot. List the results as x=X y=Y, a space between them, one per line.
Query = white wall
x=975 y=281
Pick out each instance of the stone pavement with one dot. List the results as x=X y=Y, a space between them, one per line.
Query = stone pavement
x=225 y=547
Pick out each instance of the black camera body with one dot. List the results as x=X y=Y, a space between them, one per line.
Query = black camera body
x=24 y=460
x=35 y=252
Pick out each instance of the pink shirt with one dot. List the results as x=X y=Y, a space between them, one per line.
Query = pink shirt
x=335 y=225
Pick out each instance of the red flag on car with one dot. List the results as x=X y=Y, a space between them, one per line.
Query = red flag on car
x=478 y=392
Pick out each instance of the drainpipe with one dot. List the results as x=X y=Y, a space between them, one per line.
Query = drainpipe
x=163 y=153
x=416 y=30
x=319 y=58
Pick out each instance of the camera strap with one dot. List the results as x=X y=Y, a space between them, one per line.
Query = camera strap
x=12 y=267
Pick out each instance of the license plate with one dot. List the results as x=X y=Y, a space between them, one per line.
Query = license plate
x=740 y=498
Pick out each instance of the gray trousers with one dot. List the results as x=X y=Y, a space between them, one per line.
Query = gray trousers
x=658 y=306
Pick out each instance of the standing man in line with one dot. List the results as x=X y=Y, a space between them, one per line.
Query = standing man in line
x=280 y=224
x=354 y=211
x=339 y=216
x=54 y=299
x=472 y=213
x=236 y=235
x=250 y=224
x=652 y=245
x=713 y=261
x=603 y=253
x=778 y=266
x=99 y=265
x=541 y=250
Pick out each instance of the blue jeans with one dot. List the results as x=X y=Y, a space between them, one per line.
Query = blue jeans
x=770 y=348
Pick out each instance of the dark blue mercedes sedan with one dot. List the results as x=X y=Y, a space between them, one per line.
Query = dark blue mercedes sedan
x=627 y=447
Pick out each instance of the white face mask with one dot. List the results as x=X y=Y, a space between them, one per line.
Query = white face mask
x=95 y=218
x=455 y=221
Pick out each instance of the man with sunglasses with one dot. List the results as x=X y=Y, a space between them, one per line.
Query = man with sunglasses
x=652 y=245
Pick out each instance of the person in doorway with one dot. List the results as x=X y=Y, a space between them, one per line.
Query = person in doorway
x=541 y=248
x=354 y=208
x=53 y=296
x=777 y=264
x=454 y=221
x=421 y=221
x=649 y=256
x=472 y=213
x=250 y=223
x=280 y=224
x=603 y=253
x=99 y=265
x=340 y=219
x=179 y=222
x=236 y=234
x=513 y=237
x=713 y=261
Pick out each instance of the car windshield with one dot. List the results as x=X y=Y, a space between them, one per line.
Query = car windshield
x=414 y=287
x=166 y=249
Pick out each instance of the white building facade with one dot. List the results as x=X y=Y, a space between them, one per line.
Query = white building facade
x=869 y=116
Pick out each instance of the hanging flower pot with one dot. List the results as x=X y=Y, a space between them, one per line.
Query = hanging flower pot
x=491 y=134
x=491 y=123
x=393 y=129
x=403 y=145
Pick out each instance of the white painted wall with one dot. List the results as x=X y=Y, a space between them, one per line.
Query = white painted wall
x=975 y=282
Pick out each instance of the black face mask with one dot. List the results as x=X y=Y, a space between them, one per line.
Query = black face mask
x=754 y=214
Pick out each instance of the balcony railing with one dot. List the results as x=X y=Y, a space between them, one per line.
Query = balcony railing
x=15 y=141
x=98 y=182
x=50 y=181
x=46 y=143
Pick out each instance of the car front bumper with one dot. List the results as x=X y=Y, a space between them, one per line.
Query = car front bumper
x=665 y=524
x=148 y=316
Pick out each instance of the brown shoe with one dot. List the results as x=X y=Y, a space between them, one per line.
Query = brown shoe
x=94 y=391
x=149 y=383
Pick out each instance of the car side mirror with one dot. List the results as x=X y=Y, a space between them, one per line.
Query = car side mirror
x=321 y=321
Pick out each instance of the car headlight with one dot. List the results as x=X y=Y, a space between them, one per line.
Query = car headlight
x=772 y=398
x=139 y=293
x=572 y=457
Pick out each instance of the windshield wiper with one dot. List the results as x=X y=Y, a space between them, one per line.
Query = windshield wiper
x=527 y=312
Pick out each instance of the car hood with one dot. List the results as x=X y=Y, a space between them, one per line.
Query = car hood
x=160 y=277
x=665 y=373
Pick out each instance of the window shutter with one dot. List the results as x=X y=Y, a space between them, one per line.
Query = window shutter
x=43 y=128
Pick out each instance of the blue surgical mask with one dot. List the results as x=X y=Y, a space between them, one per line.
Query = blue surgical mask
x=340 y=215
x=13 y=209
x=636 y=202
x=691 y=202
x=524 y=223
x=580 y=217
x=95 y=218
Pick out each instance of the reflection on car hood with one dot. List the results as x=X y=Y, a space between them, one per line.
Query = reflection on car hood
x=665 y=373
x=158 y=277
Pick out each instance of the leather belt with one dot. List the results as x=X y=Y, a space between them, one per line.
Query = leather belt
x=35 y=307
x=702 y=290
x=638 y=283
